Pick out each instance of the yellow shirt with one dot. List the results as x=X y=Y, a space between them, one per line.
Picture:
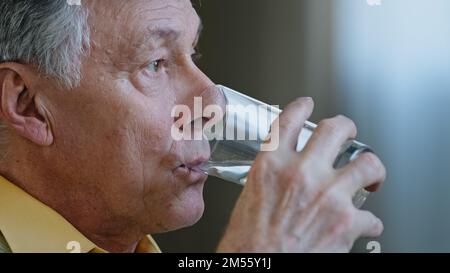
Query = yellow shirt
x=27 y=225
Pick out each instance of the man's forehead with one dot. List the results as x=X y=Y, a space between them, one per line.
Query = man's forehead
x=145 y=18
x=120 y=8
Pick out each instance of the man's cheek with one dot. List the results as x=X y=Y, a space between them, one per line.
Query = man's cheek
x=157 y=140
x=156 y=147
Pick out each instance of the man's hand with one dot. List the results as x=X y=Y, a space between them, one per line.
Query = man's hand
x=297 y=202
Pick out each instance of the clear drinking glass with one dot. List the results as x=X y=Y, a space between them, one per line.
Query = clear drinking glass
x=245 y=127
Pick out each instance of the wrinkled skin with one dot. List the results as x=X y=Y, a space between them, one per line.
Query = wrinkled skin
x=102 y=154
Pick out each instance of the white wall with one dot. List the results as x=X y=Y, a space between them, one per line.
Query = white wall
x=392 y=71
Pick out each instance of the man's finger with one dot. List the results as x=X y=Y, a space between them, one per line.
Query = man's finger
x=367 y=224
x=364 y=172
x=291 y=121
x=328 y=138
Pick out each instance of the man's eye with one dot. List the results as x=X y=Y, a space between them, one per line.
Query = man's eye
x=155 y=65
x=196 y=57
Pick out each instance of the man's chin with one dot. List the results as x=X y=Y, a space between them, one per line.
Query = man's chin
x=188 y=209
x=194 y=216
x=183 y=221
x=194 y=205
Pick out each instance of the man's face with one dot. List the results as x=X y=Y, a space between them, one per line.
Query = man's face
x=113 y=133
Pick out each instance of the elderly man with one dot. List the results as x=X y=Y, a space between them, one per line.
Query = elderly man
x=87 y=159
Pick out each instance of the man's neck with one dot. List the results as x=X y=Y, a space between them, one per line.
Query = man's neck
x=90 y=217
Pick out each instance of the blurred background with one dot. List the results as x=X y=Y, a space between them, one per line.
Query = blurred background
x=386 y=66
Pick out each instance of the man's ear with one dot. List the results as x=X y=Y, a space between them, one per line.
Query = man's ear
x=20 y=108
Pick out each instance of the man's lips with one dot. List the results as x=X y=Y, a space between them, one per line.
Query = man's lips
x=191 y=172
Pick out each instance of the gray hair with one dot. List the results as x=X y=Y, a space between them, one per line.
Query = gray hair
x=50 y=34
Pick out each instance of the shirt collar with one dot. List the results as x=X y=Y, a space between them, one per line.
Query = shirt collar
x=29 y=226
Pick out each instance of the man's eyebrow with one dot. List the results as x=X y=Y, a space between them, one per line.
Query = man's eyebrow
x=153 y=34
x=166 y=33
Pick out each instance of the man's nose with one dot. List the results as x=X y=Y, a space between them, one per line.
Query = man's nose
x=204 y=95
